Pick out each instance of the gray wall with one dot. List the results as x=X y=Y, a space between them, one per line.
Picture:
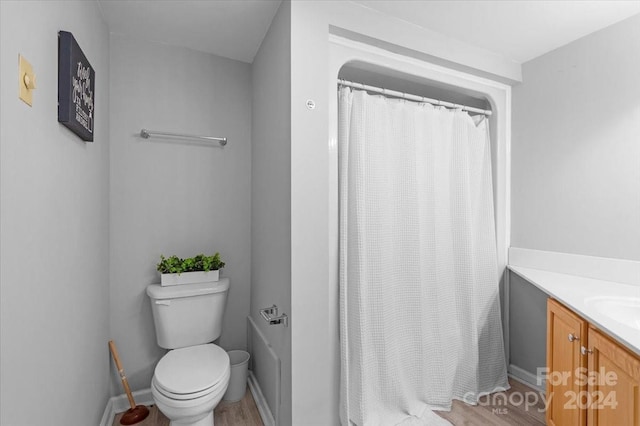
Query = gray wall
x=271 y=193
x=575 y=165
x=54 y=225
x=172 y=197
x=575 y=150
x=527 y=325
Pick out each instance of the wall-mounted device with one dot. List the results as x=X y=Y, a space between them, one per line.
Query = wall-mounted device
x=26 y=80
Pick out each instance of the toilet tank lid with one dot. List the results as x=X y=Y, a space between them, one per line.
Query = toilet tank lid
x=156 y=291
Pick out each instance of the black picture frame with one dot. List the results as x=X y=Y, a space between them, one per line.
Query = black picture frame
x=76 y=88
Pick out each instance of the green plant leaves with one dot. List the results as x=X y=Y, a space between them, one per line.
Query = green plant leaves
x=176 y=265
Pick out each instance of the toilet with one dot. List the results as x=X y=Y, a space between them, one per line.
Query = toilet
x=191 y=379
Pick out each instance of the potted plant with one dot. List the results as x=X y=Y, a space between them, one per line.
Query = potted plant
x=197 y=269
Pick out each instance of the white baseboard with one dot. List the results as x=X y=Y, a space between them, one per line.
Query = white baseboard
x=120 y=403
x=261 y=402
x=526 y=378
x=599 y=268
x=109 y=414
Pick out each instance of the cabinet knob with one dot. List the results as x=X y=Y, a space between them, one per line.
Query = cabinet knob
x=585 y=351
x=572 y=337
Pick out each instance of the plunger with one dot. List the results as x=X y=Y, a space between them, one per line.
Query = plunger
x=136 y=413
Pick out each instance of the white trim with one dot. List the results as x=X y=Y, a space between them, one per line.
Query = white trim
x=506 y=180
x=506 y=311
x=108 y=415
x=599 y=268
x=529 y=379
x=261 y=402
x=120 y=403
x=365 y=48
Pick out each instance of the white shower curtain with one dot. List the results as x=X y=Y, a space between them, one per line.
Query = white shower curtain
x=419 y=302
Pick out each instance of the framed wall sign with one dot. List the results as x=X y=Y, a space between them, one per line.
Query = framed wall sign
x=76 y=88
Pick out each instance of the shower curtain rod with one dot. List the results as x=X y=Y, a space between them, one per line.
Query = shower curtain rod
x=411 y=97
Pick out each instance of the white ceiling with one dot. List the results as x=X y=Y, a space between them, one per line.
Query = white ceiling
x=233 y=29
x=517 y=29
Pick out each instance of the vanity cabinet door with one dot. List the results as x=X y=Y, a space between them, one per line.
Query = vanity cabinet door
x=614 y=383
x=566 y=332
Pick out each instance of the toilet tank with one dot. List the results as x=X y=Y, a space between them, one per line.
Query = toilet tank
x=188 y=314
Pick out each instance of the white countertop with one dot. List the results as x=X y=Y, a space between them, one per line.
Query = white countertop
x=578 y=293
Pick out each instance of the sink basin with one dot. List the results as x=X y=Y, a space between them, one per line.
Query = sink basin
x=625 y=310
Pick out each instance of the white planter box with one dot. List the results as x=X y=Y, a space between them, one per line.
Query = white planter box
x=189 y=278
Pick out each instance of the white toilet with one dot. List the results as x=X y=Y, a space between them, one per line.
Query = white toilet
x=190 y=380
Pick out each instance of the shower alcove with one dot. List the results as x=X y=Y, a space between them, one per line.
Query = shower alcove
x=380 y=66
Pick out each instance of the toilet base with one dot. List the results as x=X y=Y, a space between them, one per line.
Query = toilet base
x=205 y=421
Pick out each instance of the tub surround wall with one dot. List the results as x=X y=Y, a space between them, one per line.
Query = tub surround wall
x=54 y=225
x=171 y=196
x=314 y=310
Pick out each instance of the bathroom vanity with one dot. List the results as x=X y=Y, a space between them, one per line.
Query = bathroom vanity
x=593 y=349
x=592 y=379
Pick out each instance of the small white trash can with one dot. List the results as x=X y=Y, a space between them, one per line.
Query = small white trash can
x=239 y=372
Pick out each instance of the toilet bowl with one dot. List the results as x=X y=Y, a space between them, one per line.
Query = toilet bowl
x=188 y=383
x=191 y=379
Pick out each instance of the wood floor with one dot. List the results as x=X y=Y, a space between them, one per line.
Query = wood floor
x=241 y=413
x=519 y=406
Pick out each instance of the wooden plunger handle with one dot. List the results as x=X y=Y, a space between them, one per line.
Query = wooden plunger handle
x=125 y=383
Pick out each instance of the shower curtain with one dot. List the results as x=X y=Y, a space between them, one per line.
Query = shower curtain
x=419 y=303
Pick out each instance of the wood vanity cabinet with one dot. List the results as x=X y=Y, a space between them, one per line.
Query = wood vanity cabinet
x=615 y=396
x=591 y=380
x=566 y=332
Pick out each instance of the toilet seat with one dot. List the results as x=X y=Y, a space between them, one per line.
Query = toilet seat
x=192 y=372
x=185 y=396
